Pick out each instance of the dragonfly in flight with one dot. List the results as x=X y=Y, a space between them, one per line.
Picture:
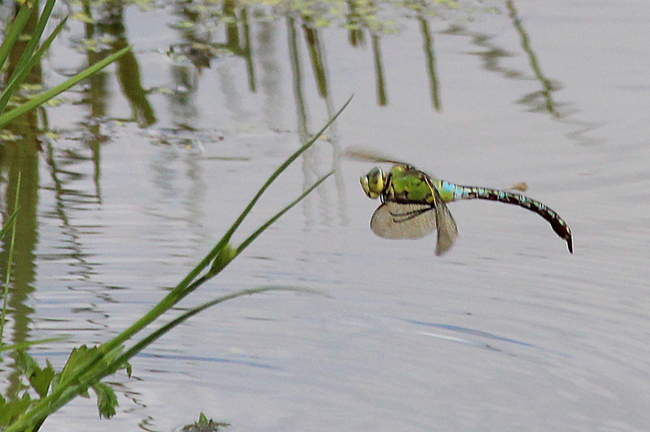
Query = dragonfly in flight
x=414 y=204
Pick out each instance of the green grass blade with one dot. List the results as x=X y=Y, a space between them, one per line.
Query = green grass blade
x=25 y=345
x=8 y=222
x=190 y=282
x=138 y=347
x=91 y=371
x=14 y=32
x=45 y=96
x=83 y=381
x=268 y=223
x=35 y=38
x=225 y=240
x=219 y=264
x=23 y=70
x=281 y=168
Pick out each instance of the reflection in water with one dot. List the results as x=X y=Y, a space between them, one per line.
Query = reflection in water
x=296 y=74
x=491 y=56
x=539 y=101
x=108 y=20
x=232 y=37
x=478 y=334
x=547 y=86
x=198 y=45
x=382 y=98
x=311 y=165
x=354 y=23
x=271 y=75
x=21 y=158
x=427 y=46
x=361 y=18
x=97 y=96
x=20 y=161
x=200 y=49
x=128 y=68
x=317 y=57
x=182 y=103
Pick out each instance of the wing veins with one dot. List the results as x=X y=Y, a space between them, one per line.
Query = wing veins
x=407 y=216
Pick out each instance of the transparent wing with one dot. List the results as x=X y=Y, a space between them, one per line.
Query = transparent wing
x=367 y=155
x=403 y=221
x=412 y=221
x=447 y=229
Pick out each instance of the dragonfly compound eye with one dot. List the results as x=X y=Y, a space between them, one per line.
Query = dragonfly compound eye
x=373 y=183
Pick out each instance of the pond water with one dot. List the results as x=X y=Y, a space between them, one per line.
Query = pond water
x=134 y=177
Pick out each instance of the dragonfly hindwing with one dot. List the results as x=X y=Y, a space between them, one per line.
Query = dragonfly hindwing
x=447 y=229
x=403 y=221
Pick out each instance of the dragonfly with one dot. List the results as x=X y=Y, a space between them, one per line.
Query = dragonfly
x=413 y=205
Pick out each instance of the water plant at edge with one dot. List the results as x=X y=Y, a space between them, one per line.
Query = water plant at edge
x=86 y=367
x=31 y=55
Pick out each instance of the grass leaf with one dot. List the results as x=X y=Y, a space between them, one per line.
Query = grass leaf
x=47 y=95
x=14 y=32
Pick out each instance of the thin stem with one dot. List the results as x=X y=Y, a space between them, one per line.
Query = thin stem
x=10 y=259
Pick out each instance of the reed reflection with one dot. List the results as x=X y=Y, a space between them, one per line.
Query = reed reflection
x=21 y=159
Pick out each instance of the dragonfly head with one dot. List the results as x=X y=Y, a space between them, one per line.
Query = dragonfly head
x=374 y=183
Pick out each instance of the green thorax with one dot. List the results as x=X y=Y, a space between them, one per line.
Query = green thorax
x=408 y=185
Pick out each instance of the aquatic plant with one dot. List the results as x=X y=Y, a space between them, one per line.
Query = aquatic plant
x=30 y=56
x=45 y=390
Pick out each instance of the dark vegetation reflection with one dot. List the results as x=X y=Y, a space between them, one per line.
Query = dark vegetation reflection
x=21 y=158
